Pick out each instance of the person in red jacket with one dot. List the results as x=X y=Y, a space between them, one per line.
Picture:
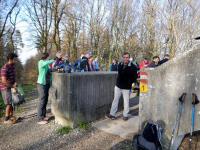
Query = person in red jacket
x=144 y=63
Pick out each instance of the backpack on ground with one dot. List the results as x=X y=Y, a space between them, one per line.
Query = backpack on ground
x=17 y=96
x=150 y=137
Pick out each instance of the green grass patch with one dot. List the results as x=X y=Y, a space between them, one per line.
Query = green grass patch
x=64 y=130
x=28 y=87
x=84 y=125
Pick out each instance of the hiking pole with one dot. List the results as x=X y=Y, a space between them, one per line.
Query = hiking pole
x=194 y=102
x=178 y=117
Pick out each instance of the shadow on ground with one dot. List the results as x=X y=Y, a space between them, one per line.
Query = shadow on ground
x=125 y=145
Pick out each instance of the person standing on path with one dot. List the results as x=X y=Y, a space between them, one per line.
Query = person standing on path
x=43 y=85
x=127 y=74
x=8 y=81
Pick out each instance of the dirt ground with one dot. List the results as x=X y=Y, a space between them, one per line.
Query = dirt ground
x=28 y=135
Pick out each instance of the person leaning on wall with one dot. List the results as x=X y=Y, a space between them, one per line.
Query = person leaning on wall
x=43 y=85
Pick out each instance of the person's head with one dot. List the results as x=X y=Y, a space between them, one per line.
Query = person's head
x=11 y=58
x=96 y=59
x=88 y=55
x=114 y=61
x=91 y=58
x=45 y=56
x=82 y=54
x=156 y=59
x=166 y=56
x=59 y=55
x=65 y=57
x=126 y=57
x=145 y=60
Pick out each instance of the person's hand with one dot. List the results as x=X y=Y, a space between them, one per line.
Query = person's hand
x=15 y=85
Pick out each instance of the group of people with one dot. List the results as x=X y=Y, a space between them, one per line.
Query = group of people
x=154 y=63
x=145 y=63
x=86 y=62
x=127 y=74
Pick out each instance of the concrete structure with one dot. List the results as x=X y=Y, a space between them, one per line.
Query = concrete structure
x=81 y=97
x=166 y=84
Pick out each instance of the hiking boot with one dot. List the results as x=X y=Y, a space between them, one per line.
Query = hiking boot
x=111 y=117
x=125 y=118
x=46 y=119
x=42 y=122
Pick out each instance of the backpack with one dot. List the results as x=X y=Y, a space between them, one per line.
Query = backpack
x=150 y=137
x=17 y=97
x=81 y=64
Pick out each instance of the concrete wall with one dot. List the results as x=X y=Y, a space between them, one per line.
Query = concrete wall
x=166 y=84
x=78 y=97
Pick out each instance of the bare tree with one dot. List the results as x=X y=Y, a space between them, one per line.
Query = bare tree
x=40 y=16
x=6 y=12
x=58 y=12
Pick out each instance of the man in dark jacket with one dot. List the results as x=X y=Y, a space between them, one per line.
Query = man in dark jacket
x=164 y=60
x=155 y=62
x=127 y=74
x=114 y=65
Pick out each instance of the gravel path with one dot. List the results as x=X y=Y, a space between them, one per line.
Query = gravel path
x=28 y=135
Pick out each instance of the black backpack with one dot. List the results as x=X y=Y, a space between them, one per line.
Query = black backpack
x=150 y=138
x=83 y=63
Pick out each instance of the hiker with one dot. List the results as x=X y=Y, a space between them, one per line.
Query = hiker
x=58 y=63
x=114 y=65
x=127 y=74
x=77 y=63
x=96 y=64
x=155 y=62
x=91 y=64
x=66 y=65
x=144 y=63
x=43 y=85
x=165 y=59
x=81 y=65
x=8 y=81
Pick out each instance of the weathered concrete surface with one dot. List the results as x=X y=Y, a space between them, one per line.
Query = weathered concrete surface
x=78 y=97
x=166 y=84
x=124 y=129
